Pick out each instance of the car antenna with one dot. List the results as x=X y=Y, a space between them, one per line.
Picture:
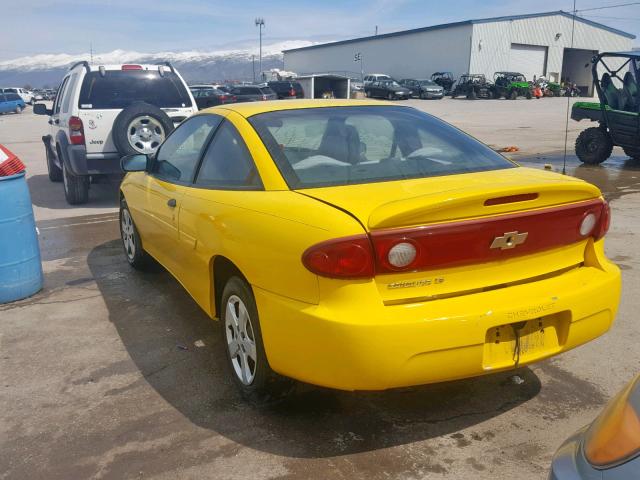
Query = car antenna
x=566 y=126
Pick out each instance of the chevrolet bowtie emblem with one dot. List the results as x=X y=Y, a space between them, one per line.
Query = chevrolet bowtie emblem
x=509 y=240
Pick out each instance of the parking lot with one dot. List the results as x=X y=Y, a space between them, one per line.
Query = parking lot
x=110 y=373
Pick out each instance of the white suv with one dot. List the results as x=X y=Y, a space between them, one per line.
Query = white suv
x=26 y=95
x=102 y=113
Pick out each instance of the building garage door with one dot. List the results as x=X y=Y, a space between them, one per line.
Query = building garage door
x=529 y=60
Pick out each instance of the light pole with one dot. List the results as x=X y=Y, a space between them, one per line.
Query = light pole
x=260 y=24
x=358 y=58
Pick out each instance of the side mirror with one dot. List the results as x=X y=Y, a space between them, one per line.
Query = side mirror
x=134 y=163
x=41 y=109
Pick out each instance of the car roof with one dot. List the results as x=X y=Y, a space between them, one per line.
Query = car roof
x=254 y=108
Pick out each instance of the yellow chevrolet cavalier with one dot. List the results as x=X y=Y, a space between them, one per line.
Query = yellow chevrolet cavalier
x=362 y=245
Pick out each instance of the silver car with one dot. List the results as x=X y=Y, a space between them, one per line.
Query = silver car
x=609 y=448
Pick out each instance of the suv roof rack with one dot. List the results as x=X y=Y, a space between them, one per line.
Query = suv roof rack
x=82 y=62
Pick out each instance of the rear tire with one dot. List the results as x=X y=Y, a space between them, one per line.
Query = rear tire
x=593 y=146
x=55 y=172
x=528 y=95
x=18 y=109
x=513 y=95
x=632 y=152
x=246 y=357
x=472 y=95
x=76 y=188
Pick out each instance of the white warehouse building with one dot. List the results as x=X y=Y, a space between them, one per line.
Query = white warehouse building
x=540 y=44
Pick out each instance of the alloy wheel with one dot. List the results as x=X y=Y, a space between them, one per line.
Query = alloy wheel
x=241 y=340
x=127 y=233
x=145 y=134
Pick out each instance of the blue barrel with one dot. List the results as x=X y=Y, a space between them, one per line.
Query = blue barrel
x=20 y=265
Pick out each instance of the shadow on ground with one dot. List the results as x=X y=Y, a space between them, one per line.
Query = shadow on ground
x=158 y=324
x=103 y=193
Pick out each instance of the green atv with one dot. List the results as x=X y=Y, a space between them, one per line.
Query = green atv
x=511 y=85
x=617 y=113
x=472 y=86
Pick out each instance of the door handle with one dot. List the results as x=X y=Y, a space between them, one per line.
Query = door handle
x=171 y=202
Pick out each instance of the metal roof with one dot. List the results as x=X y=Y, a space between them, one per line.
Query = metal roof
x=467 y=22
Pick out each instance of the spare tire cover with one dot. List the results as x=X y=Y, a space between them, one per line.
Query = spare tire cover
x=140 y=128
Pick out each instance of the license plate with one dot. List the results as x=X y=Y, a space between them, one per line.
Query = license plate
x=537 y=338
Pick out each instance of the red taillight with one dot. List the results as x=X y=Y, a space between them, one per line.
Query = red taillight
x=131 y=67
x=76 y=131
x=458 y=243
x=605 y=221
x=223 y=98
x=349 y=257
x=292 y=93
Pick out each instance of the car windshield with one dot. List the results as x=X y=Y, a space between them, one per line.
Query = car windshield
x=120 y=88
x=352 y=145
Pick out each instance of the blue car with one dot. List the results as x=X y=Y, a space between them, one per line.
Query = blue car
x=11 y=102
x=609 y=448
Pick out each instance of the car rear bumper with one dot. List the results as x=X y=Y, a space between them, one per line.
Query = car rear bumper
x=355 y=342
x=82 y=163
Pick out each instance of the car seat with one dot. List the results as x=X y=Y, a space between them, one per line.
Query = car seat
x=630 y=91
x=342 y=142
x=611 y=93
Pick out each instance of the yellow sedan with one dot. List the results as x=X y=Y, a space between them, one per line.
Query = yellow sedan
x=361 y=245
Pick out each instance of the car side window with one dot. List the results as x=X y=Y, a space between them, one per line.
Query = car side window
x=66 y=101
x=178 y=156
x=227 y=163
x=61 y=92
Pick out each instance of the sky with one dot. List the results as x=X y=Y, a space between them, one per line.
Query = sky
x=70 y=26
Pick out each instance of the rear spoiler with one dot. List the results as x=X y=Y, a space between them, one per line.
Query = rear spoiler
x=82 y=62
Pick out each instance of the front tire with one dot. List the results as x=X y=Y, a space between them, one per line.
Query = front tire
x=246 y=356
x=55 y=172
x=133 y=251
x=593 y=146
x=18 y=109
x=76 y=188
x=632 y=152
x=390 y=96
x=513 y=95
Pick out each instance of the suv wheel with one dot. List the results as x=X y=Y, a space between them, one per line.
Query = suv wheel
x=594 y=146
x=55 y=173
x=18 y=109
x=632 y=152
x=246 y=356
x=76 y=188
x=513 y=95
x=140 y=128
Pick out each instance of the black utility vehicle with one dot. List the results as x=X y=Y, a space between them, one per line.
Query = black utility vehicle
x=472 y=86
x=617 y=113
x=285 y=89
x=445 y=80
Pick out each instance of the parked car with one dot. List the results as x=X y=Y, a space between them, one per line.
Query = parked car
x=102 y=113
x=26 y=95
x=389 y=89
x=445 y=80
x=423 y=88
x=359 y=245
x=608 y=448
x=376 y=77
x=511 y=85
x=472 y=86
x=210 y=97
x=286 y=89
x=11 y=102
x=253 y=93
x=617 y=112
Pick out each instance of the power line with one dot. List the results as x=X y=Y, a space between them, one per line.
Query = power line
x=607 y=7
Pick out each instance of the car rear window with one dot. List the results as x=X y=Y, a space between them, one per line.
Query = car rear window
x=266 y=91
x=118 y=89
x=352 y=145
x=13 y=96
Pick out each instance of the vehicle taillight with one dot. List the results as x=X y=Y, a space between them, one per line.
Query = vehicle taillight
x=292 y=93
x=458 y=243
x=350 y=257
x=131 y=67
x=264 y=97
x=223 y=98
x=76 y=131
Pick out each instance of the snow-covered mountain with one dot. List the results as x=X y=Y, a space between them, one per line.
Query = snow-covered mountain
x=196 y=66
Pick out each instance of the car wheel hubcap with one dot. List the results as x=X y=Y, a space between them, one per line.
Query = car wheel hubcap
x=240 y=340
x=126 y=227
x=145 y=134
